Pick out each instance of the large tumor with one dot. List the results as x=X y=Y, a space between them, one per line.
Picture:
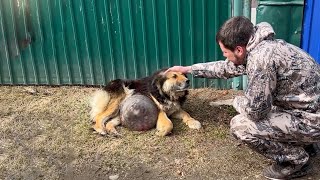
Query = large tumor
x=138 y=113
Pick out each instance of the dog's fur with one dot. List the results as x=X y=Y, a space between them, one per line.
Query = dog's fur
x=167 y=90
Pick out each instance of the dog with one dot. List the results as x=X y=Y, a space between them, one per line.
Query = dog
x=167 y=90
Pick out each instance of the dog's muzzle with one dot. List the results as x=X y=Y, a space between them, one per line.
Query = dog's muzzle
x=183 y=86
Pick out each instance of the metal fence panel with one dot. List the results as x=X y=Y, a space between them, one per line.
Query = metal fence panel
x=285 y=16
x=89 y=42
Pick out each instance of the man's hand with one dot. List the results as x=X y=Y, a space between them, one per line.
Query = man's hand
x=182 y=69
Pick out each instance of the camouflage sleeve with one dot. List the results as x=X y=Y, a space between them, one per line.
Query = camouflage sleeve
x=257 y=102
x=218 y=69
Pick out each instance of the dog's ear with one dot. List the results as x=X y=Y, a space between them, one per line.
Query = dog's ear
x=158 y=80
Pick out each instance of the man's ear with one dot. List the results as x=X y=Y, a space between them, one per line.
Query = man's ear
x=240 y=50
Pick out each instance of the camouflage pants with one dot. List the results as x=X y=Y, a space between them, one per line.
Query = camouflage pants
x=281 y=136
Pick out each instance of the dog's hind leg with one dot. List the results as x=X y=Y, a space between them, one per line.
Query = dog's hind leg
x=164 y=124
x=110 y=112
x=110 y=126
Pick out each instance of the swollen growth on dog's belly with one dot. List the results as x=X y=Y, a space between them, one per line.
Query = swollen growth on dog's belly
x=138 y=113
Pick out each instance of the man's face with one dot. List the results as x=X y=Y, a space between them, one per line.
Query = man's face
x=237 y=56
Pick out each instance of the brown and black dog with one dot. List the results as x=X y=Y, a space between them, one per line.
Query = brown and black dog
x=167 y=90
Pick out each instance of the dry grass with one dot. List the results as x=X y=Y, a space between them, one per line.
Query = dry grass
x=45 y=134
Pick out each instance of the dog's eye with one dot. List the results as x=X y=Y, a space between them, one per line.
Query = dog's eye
x=175 y=76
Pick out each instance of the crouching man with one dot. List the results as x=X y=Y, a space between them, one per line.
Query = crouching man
x=280 y=112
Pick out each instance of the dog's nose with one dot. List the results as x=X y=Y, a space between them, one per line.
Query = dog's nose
x=187 y=81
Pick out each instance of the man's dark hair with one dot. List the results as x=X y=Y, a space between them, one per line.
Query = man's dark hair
x=235 y=32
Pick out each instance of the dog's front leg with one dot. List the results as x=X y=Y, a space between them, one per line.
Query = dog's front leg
x=187 y=119
x=164 y=124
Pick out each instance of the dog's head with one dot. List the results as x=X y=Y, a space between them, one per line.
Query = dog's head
x=173 y=84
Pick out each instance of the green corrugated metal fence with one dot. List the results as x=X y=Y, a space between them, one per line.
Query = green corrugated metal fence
x=285 y=16
x=89 y=42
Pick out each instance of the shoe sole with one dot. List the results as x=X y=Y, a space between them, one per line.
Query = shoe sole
x=304 y=171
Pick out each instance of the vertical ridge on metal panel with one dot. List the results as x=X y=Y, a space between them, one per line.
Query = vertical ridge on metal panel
x=155 y=33
x=160 y=32
x=24 y=41
x=199 y=35
x=37 y=40
x=170 y=33
x=191 y=37
x=129 y=59
x=115 y=35
x=86 y=68
x=87 y=56
x=213 y=53
x=107 y=29
x=59 y=42
x=5 y=69
x=53 y=41
x=101 y=31
x=72 y=50
x=93 y=41
x=174 y=33
x=27 y=43
x=179 y=32
x=151 y=35
x=48 y=42
x=11 y=36
x=144 y=38
x=118 y=39
x=102 y=73
x=204 y=37
x=133 y=42
x=185 y=34
x=139 y=34
x=87 y=10
x=167 y=30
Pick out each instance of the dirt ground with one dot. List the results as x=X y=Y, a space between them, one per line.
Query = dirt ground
x=45 y=134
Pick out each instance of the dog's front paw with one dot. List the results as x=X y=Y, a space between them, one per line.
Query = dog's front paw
x=164 y=126
x=164 y=129
x=162 y=132
x=194 y=124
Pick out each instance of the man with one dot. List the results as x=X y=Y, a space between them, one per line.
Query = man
x=280 y=112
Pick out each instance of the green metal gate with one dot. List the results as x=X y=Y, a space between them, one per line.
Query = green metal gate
x=285 y=16
x=89 y=42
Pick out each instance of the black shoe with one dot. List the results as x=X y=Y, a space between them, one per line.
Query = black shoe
x=281 y=171
x=312 y=149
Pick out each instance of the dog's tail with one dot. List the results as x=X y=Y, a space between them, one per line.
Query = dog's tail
x=98 y=102
x=101 y=98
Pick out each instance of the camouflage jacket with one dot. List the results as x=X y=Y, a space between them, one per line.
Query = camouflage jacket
x=280 y=75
